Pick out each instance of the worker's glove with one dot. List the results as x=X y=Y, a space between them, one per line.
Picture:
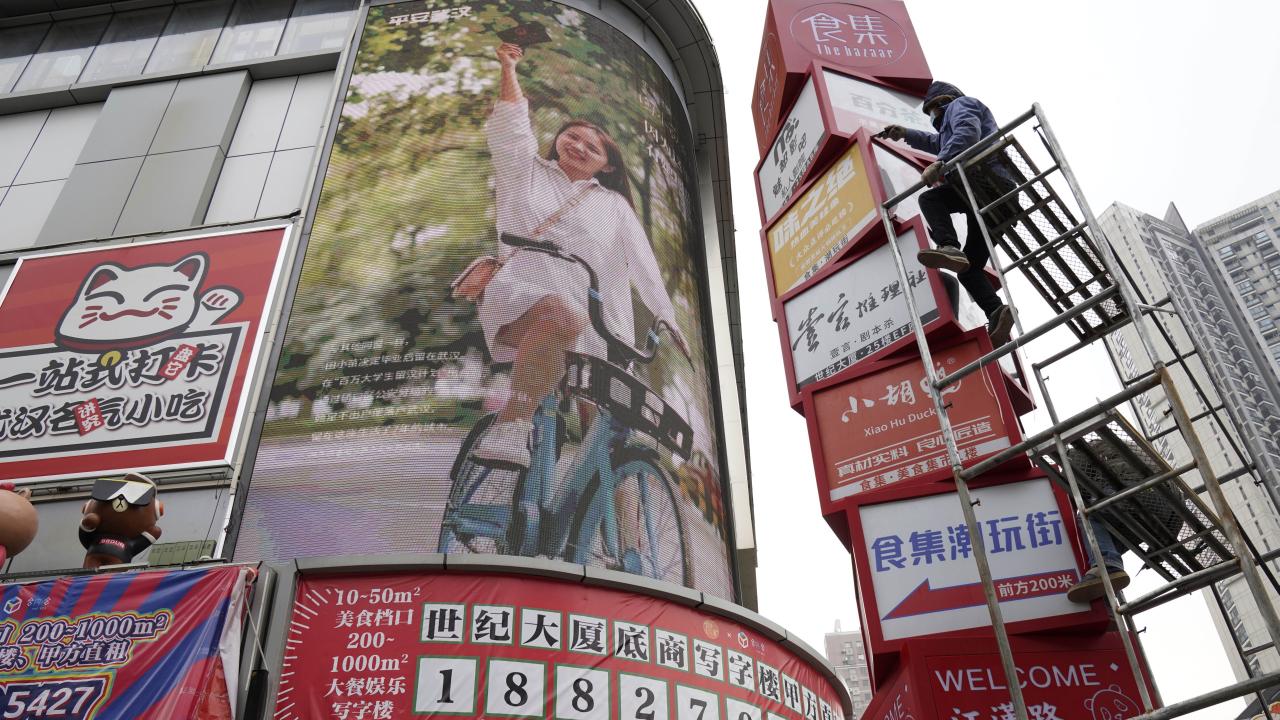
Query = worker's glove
x=893 y=132
x=933 y=173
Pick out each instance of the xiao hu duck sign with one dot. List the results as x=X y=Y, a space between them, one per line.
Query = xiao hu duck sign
x=133 y=355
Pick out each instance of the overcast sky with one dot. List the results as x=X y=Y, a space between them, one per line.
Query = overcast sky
x=1152 y=101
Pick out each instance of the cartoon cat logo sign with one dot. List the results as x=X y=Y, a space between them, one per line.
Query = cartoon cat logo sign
x=137 y=355
x=122 y=308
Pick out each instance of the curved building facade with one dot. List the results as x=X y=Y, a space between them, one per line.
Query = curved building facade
x=332 y=182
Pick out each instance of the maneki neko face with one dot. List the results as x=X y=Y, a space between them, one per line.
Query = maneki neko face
x=120 y=308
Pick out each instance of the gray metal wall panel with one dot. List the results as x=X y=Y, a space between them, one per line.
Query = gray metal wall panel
x=172 y=191
x=264 y=113
x=239 y=188
x=59 y=144
x=282 y=114
x=90 y=204
x=307 y=111
x=129 y=121
x=17 y=135
x=203 y=112
x=283 y=191
x=23 y=212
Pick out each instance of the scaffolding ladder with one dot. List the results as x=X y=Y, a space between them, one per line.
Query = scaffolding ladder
x=1112 y=471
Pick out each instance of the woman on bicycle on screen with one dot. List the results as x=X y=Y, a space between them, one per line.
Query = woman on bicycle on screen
x=533 y=308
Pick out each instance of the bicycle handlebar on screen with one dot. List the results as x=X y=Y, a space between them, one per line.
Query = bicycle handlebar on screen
x=595 y=304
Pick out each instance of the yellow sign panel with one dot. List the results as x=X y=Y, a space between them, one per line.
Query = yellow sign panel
x=821 y=222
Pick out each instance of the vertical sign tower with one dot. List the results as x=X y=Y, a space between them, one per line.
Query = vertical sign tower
x=831 y=76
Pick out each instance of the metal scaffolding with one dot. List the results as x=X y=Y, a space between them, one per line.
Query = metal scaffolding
x=1112 y=471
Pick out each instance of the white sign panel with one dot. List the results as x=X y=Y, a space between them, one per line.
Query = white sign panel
x=857 y=104
x=171 y=392
x=855 y=312
x=922 y=571
x=897 y=175
x=792 y=152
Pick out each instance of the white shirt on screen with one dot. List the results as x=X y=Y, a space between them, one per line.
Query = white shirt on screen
x=600 y=227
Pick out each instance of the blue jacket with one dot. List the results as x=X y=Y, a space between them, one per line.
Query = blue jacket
x=965 y=121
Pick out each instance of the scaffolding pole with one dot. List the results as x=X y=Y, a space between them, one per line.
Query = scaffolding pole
x=962 y=488
x=1114 y=284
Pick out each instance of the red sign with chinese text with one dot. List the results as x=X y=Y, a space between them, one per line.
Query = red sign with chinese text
x=131 y=356
x=393 y=645
x=879 y=427
x=1061 y=677
x=871 y=38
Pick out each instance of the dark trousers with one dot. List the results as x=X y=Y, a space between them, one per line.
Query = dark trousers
x=938 y=205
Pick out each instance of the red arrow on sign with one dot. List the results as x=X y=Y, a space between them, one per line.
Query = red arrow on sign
x=925 y=599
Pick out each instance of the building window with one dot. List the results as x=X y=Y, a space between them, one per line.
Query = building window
x=63 y=53
x=168 y=37
x=254 y=30
x=317 y=25
x=16 y=47
x=189 y=38
x=1226 y=251
x=124 y=49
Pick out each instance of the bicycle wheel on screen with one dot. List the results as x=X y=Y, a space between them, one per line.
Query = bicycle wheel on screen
x=646 y=535
x=478 y=515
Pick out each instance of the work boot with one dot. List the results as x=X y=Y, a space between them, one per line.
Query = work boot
x=1090 y=587
x=1000 y=325
x=505 y=444
x=944 y=257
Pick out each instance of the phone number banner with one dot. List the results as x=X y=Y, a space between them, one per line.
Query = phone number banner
x=131 y=646
x=393 y=645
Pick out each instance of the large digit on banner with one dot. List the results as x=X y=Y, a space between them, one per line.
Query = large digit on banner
x=516 y=688
x=692 y=704
x=582 y=693
x=50 y=698
x=738 y=710
x=446 y=685
x=642 y=698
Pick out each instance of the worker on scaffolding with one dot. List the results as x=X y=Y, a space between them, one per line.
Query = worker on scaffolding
x=961 y=121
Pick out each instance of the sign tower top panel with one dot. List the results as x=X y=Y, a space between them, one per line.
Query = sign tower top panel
x=872 y=38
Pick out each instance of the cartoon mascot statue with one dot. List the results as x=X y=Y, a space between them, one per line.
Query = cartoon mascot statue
x=18 y=521
x=120 y=520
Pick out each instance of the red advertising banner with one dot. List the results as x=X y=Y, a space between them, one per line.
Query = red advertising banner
x=394 y=645
x=893 y=702
x=1061 y=677
x=131 y=356
x=127 y=646
x=878 y=428
x=873 y=39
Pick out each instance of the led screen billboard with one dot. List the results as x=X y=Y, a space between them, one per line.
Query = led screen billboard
x=509 y=207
